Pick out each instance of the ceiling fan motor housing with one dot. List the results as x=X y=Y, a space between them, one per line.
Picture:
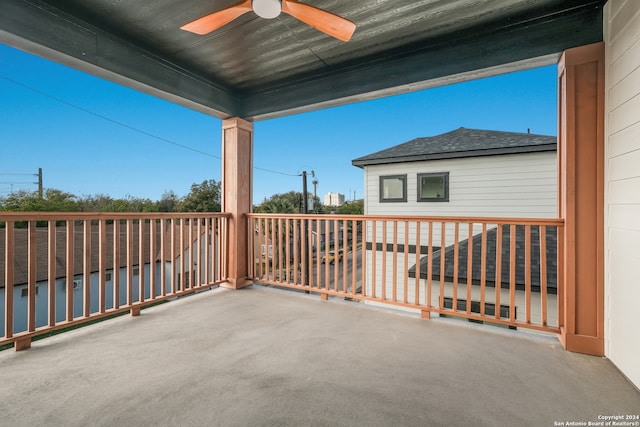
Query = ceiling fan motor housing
x=267 y=9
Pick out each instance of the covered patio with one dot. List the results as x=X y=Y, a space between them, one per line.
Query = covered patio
x=261 y=356
x=277 y=357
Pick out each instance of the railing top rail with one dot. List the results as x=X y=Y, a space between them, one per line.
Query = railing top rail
x=61 y=216
x=461 y=219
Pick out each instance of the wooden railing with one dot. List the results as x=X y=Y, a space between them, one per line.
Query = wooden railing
x=500 y=270
x=58 y=270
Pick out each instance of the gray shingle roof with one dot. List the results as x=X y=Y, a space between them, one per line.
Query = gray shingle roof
x=476 y=269
x=460 y=143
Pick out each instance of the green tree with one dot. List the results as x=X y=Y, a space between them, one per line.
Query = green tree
x=52 y=201
x=169 y=202
x=104 y=203
x=204 y=197
x=351 y=208
x=281 y=203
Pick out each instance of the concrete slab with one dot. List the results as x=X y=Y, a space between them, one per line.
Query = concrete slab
x=261 y=356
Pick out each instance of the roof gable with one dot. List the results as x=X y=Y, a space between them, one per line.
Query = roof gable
x=460 y=143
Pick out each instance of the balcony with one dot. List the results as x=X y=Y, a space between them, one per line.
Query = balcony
x=348 y=346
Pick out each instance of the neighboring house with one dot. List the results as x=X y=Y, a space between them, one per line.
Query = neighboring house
x=150 y=256
x=465 y=172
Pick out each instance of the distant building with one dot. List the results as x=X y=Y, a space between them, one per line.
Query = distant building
x=334 y=199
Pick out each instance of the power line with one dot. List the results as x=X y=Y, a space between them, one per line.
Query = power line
x=124 y=125
x=116 y=122
x=18 y=174
x=274 y=171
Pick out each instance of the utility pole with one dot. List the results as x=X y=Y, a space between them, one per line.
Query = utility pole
x=305 y=195
x=40 y=182
x=305 y=209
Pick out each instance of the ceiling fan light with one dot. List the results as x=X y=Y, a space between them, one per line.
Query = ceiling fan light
x=268 y=9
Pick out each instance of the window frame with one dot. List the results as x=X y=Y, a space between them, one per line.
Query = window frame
x=382 y=178
x=444 y=198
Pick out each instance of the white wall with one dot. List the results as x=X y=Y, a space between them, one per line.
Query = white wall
x=622 y=186
x=512 y=185
x=42 y=308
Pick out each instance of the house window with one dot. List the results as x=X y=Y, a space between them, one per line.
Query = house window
x=433 y=187
x=25 y=292
x=393 y=188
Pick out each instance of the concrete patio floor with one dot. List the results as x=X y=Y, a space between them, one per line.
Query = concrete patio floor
x=262 y=356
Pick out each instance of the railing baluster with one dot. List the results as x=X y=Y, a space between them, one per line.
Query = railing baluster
x=102 y=264
x=190 y=272
x=512 y=273
x=443 y=247
x=9 y=269
x=430 y=265
x=469 y=268
x=336 y=249
x=129 y=262
x=418 y=256
x=327 y=247
x=304 y=252
x=31 y=286
x=363 y=257
x=527 y=271
x=173 y=256
x=296 y=250
x=483 y=269
x=70 y=270
x=498 y=277
x=405 y=266
x=163 y=258
x=394 y=276
x=116 y=264
x=374 y=256
x=345 y=251
x=183 y=255
x=383 y=277
x=152 y=258
x=86 y=274
x=560 y=276
x=288 y=250
x=456 y=252
x=51 y=272
x=543 y=274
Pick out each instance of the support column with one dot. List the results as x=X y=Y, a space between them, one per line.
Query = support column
x=237 y=179
x=581 y=197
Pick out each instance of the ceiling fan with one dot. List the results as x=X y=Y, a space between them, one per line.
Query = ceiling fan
x=324 y=21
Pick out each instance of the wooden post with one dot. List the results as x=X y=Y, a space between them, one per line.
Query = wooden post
x=237 y=178
x=581 y=196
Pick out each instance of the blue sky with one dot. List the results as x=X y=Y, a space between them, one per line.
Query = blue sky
x=124 y=143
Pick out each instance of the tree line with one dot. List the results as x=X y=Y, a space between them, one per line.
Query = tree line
x=291 y=202
x=203 y=197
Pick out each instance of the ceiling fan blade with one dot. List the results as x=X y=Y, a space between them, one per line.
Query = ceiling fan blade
x=333 y=25
x=213 y=21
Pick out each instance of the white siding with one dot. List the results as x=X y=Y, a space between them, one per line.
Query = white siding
x=622 y=185
x=513 y=185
